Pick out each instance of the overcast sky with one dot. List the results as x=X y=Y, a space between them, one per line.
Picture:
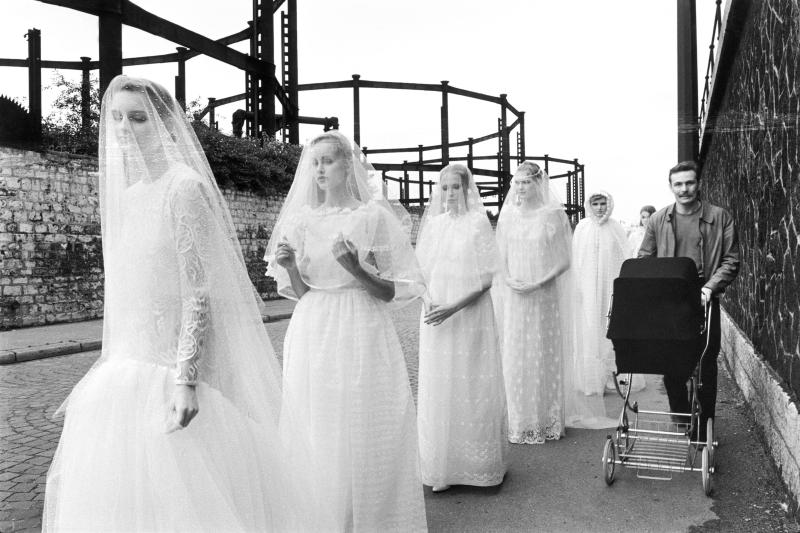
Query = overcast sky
x=597 y=80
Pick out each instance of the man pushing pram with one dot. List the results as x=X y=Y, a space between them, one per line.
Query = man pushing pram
x=706 y=234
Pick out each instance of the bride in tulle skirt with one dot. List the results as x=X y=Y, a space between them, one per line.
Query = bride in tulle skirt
x=340 y=250
x=175 y=427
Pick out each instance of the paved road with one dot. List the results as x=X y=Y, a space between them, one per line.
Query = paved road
x=554 y=487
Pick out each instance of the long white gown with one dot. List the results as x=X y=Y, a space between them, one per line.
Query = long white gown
x=462 y=409
x=599 y=247
x=346 y=378
x=116 y=467
x=533 y=335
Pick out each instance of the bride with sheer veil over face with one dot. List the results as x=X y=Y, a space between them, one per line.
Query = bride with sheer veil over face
x=339 y=248
x=462 y=408
x=534 y=234
x=176 y=426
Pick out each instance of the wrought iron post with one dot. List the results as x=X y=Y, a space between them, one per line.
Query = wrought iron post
x=470 y=161
x=86 y=95
x=110 y=40
x=521 y=148
x=35 y=80
x=294 y=126
x=260 y=90
x=506 y=144
x=406 y=184
x=212 y=113
x=445 y=124
x=180 y=79
x=356 y=110
x=687 y=80
x=420 y=176
x=547 y=163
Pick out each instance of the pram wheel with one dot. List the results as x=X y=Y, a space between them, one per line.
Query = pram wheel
x=609 y=461
x=706 y=472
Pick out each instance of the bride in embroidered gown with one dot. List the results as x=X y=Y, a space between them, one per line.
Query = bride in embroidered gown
x=462 y=408
x=340 y=250
x=533 y=234
x=175 y=427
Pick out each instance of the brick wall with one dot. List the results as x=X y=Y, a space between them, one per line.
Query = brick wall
x=51 y=264
x=752 y=167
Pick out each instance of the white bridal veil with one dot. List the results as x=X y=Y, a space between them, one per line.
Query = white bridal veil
x=205 y=322
x=384 y=246
x=455 y=238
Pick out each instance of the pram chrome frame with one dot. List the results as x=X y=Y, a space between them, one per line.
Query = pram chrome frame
x=660 y=443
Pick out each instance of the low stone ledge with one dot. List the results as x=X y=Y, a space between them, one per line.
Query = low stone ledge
x=776 y=410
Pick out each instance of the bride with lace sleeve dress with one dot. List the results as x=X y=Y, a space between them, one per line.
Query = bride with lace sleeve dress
x=175 y=428
x=339 y=248
x=462 y=408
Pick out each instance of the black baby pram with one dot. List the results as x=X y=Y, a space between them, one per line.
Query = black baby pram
x=658 y=325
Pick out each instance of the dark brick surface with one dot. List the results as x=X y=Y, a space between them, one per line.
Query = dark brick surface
x=753 y=168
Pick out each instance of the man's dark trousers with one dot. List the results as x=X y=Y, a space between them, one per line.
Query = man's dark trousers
x=678 y=393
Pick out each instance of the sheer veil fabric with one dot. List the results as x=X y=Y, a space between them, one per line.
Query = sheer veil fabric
x=599 y=247
x=345 y=375
x=533 y=234
x=179 y=309
x=461 y=400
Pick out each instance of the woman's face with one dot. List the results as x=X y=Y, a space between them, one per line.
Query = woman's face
x=526 y=189
x=328 y=165
x=644 y=216
x=452 y=191
x=133 y=124
x=599 y=206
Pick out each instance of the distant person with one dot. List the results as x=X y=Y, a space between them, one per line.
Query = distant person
x=534 y=236
x=705 y=233
x=176 y=426
x=637 y=232
x=462 y=405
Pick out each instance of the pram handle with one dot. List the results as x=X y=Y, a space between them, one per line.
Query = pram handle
x=707 y=311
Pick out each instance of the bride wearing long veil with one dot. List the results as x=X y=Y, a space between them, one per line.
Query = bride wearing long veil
x=340 y=250
x=175 y=427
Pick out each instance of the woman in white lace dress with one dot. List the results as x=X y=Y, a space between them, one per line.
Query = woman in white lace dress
x=533 y=234
x=176 y=426
x=340 y=250
x=461 y=401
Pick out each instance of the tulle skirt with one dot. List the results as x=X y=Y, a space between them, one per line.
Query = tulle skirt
x=116 y=468
x=346 y=382
x=462 y=405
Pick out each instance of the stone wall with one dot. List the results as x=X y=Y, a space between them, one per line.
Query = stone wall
x=51 y=269
x=752 y=167
x=51 y=266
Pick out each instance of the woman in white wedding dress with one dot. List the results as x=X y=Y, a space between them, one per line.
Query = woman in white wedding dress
x=599 y=247
x=461 y=401
x=339 y=248
x=175 y=427
x=533 y=234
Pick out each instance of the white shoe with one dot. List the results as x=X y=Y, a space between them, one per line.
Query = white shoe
x=440 y=488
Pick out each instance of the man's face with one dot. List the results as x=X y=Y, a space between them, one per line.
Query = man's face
x=685 y=187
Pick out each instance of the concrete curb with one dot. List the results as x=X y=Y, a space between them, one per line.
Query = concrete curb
x=32 y=353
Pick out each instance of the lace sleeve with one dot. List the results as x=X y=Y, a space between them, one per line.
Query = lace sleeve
x=191 y=215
